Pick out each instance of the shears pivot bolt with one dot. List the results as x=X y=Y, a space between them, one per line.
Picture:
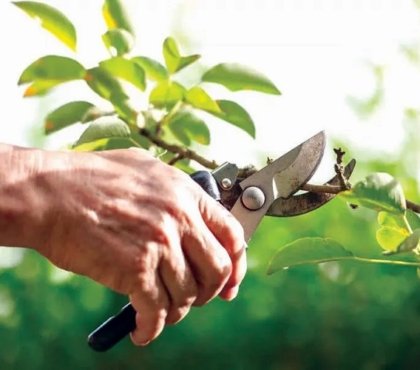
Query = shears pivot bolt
x=253 y=198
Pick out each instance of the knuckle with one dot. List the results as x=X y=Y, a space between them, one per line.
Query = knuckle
x=142 y=282
x=223 y=271
x=181 y=193
x=214 y=282
x=182 y=304
x=234 y=231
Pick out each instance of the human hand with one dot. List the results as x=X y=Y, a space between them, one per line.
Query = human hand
x=142 y=228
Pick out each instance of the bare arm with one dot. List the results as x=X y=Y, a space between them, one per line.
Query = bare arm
x=126 y=220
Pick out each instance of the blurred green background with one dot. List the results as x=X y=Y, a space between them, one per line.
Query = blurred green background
x=332 y=316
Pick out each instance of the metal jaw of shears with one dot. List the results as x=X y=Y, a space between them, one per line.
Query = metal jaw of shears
x=269 y=191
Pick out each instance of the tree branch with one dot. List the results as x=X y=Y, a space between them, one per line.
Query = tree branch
x=336 y=189
x=330 y=189
x=413 y=206
x=182 y=153
x=174 y=160
x=179 y=150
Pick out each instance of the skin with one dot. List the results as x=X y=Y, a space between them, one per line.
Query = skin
x=127 y=221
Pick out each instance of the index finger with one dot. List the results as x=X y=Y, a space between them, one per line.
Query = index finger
x=230 y=234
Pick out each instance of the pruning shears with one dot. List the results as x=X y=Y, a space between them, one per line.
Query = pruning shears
x=269 y=191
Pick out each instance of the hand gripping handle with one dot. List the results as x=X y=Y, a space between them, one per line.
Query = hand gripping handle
x=117 y=327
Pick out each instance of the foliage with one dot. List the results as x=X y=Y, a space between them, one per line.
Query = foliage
x=380 y=192
x=362 y=312
x=175 y=105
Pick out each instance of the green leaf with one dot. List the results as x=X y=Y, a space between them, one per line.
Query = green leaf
x=108 y=87
x=173 y=59
x=118 y=41
x=166 y=94
x=319 y=250
x=413 y=219
x=154 y=70
x=389 y=238
x=115 y=15
x=54 y=69
x=110 y=144
x=198 y=98
x=185 y=166
x=237 y=77
x=187 y=127
x=410 y=244
x=104 y=128
x=124 y=109
x=392 y=220
x=307 y=251
x=233 y=113
x=66 y=115
x=94 y=113
x=103 y=83
x=379 y=191
x=392 y=231
x=91 y=146
x=40 y=87
x=126 y=70
x=52 y=20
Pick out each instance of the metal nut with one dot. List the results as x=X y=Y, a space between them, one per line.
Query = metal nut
x=226 y=183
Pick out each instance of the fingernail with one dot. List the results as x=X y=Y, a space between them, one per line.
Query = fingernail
x=231 y=293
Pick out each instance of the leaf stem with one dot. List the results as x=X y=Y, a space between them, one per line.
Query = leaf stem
x=165 y=120
x=407 y=225
x=384 y=262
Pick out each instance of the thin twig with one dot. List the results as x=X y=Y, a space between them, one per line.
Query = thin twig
x=339 y=169
x=413 y=206
x=178 y=157
x=336 y=189
x=330 y=189
x=184 y=152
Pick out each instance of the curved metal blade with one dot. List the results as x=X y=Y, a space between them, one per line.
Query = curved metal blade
x=306 y=202
x=281 y=178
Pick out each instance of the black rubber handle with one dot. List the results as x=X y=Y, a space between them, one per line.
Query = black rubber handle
x=117 y=327
x=113 y=330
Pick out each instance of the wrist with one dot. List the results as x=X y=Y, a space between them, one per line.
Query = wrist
x=23 y=201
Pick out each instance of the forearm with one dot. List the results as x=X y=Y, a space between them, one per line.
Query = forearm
x=22 y=201
x=126 y=220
